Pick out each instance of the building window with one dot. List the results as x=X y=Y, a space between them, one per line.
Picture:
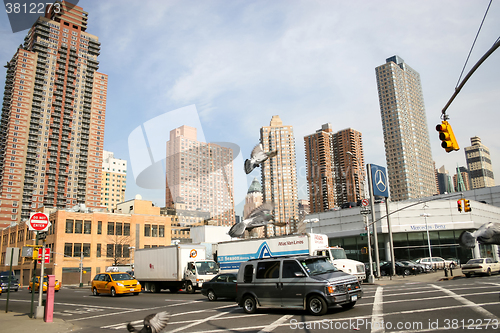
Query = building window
x=126 y=229
x=118 y=230
x=99 y=227
x=86 y=250
x=87 y=227
x=111 y=228
x=78 y=226
x=118 y=250
x=69 y=226
x=154 y=231
x=77 y=250
x=147 y=230
x=109 y=251
x=161 y=232
x=126 y=251
x=68 y=250
x=98 y=252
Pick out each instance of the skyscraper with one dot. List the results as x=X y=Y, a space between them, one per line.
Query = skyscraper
x=479 y=164
x=406 y=135
x=333 y=175
x=253 y=199
x=200 y=175
x=114 y=180
x=461 y=179
x=279 y=174
x=52 y=125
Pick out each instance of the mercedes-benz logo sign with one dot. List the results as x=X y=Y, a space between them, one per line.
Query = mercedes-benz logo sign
x=380 y=181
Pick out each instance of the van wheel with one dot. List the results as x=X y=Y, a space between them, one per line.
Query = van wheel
x=94 y=292
x=211 y=295
x=113 y=292
x=190 y=288
x=348 y=305
x=316 y=306
x=249 y=305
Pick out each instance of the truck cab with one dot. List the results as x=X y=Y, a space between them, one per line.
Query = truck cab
x=342 y=263
x=198 y=272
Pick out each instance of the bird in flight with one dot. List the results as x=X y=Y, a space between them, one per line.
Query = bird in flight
x=259 y=217
x=153 y=323
x=258 y=157
x=488 y=233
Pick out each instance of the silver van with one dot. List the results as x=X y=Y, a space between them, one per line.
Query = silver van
x=295 y=282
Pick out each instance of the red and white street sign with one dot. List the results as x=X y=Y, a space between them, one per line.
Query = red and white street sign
x=365 y=202
x=47 y=255
x=39 y=222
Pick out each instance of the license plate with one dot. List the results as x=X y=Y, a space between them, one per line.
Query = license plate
x=354 y=298
x=131 y=289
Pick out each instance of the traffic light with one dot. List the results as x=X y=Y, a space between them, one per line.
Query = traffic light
x=447 y=137
x=467 y=206
x=459 y=204
x=364 y=250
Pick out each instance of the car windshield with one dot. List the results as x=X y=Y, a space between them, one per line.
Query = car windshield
x=316 y=266
x=121 y=277
x=475 y=261
x=207 y=267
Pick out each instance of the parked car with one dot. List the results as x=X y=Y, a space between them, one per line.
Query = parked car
x=485 y=266
x=221 y=286
x=295 y=282
x=401 y=269
x=4 y=283
x=57 y=285
x=115 y=283
x=420 y=267
x=437 y=262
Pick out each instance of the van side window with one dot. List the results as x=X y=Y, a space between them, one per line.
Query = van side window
x=268 y=270
x=248 y=274
x=290 y=267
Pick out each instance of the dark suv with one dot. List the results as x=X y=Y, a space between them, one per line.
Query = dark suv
x=295 y=282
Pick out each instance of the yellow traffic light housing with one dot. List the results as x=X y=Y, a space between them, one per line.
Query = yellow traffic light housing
x=467 y=206
x=35 y=254
x=459 y=204
x=449 y=142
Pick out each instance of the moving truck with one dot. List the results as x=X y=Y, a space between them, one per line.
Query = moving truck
x=175 y=267
x=232 y=253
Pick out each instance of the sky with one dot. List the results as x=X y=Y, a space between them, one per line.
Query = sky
x=238 y=63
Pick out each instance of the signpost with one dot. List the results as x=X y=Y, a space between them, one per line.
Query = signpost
x=47 y=256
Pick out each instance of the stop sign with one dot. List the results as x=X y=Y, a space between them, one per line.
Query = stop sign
x=39 y=222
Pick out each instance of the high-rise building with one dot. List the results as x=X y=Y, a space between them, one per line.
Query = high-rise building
x=52 y=125
x=279 y=174
x=349 y=162
x=406 y=135
x=200 y=175
x=479 y=164
x=114 y=180
x=253 y=199
x=444 y=181
x=461 y=180
x=334 y=163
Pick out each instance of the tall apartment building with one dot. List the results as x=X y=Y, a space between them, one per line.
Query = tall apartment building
x=349 y=162
x=52 y=124
x=406 y=135
x=334 y=176
x=253 y=199
x=479 y=164
x=200 y=175
x=114 y=180
x=279 y=174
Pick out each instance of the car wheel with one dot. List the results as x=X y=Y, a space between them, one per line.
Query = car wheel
x=348 y=305
x=190 y=288
x=488 y=272
x=211 y=295
x=94 y=292
x=135 y=294
x=406 y=272
x=316 y=306
x=249 y=304
x=113 y=292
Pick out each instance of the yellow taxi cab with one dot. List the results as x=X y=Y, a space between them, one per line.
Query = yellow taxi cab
x=0 y=290
x=57 y=285
x=115 y=283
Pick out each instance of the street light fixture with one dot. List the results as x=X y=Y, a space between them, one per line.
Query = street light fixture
x=425 y=215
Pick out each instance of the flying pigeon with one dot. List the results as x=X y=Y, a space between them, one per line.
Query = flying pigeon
x=488 y=233
x=153 y=323
x=258 y=157
x=259 y=217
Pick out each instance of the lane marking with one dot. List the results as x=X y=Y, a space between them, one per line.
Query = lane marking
x=277 y=323
x=201 y=321
x=378 y=312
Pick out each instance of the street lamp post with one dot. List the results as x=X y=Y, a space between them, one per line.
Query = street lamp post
x=425 y=215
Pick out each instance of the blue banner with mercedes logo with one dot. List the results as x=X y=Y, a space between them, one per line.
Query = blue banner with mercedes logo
x=379 y=181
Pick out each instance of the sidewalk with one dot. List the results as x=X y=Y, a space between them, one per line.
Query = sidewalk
x=419 y=278
x=21 y=322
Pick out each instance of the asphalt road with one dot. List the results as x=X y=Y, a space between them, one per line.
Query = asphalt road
x=459 y=305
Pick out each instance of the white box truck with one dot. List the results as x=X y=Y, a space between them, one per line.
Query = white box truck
x=175 y=267
x=231 y=254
